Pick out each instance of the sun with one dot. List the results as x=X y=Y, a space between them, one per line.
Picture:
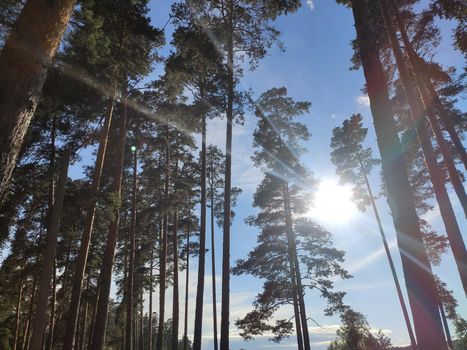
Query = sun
x=332 y=203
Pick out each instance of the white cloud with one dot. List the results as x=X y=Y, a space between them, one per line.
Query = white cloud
x=363 y=100
x=310 y=4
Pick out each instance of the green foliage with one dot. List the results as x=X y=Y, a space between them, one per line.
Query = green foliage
x=278 y=141
x=355 y=334
x=352 y=160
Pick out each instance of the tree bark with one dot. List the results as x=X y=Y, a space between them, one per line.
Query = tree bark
x=434 y=123
x=433 y=95
x=105 y=277
x=176 y=294
x=18 y=314
x=26 y=335
x=24 y=60
x=417 y=270
x=49 y=257
x=297 y=288
x=53 y=300
x=151 y=276
x=225 y=305
x=81 y=261
x=213 y=263
x=130 y=309
x=202 y=245
x=389 y=257
x=187 y=280
x=415 y=102
x=163 y=253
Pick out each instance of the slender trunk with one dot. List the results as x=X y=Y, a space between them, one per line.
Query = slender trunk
x=417 y=270
x=18 y=314
x=432 y=95
x=82 y=334
x=105 y=277
x=446 y=327
x=131 y=273
x=163 y=253
x=187 y=280
x=141 y=322
x=24 y=61
x=297 y=288
x=389 y=257
x=151 y=276
x=50 y=337
x=27 y=330
x=49 y=256
x=81 y=261
x=176 y=296
x=447 y=212
x=213 y=262
x=225 y=305
x=202 y=245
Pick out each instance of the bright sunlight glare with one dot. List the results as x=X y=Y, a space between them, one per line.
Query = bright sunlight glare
x=333 y=203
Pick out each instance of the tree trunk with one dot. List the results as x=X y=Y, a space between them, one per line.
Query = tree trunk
x=18 y=314
x=187 y=280
x=105 y=277
x=26 y=335
x=176 y=294
x=202 y=245
x=50 y=336
x=225 y=305
x=297 y=288
x=141 y=322
x=213 y=263
x=81 y=260
x=417 y=270
x=434 y=123
x=131 y=266
x=151 y=276
x=389 y=257
x=24 y=60
x=49 y=257
x=447 y=212
x=433 y=95
x=163 y=253
x=82 y=334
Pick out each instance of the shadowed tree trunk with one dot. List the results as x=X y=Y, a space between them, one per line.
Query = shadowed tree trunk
x=213 y=261
x=18 y=314
x=27 y=330
x=176 y=296
x=432 y=95
x=49 y=257
x=225 y=305
x=187 y=280
x=81 y=261
x=151 y=276
x=53 y=300
x=417 y=270
x=202 y=244
x=130 y=308
x=163 y=252
x=105 y=277
x=24 y=60
x=436 y=175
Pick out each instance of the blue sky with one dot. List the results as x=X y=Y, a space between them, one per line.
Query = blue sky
x=315 y=67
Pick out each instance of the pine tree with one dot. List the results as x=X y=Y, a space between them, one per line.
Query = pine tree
x=417 y=270
x=354 y=164
x=24 y=61
x=281 y=197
